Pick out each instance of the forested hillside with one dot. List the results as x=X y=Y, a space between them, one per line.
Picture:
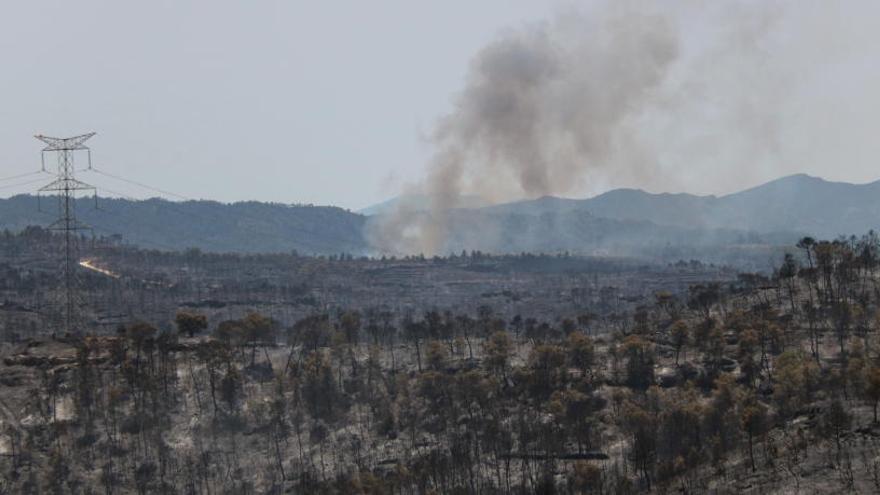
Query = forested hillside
x=627 y=222
x=246 y=227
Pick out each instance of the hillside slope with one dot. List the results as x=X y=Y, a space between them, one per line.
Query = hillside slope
x=248 y=227
x=622 y=221
x=797 y=203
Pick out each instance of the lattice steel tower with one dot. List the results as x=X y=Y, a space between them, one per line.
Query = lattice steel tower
x=65 y=187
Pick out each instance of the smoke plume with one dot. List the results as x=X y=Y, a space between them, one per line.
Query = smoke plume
x=618 y=94
x=543 y=105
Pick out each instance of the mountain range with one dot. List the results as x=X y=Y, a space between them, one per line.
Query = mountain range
x=796 y=203
x=621 y=221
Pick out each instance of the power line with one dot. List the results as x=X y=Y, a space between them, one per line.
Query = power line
x=171 y=205
x=12 y=186
x=145 y=186
x=20 y=176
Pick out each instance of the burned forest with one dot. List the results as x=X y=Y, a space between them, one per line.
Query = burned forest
x=204 y=373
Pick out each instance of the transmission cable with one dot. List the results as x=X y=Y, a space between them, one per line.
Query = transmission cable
x=20 y=176
x=10 y=186
x=145 y=186
x=332 y=235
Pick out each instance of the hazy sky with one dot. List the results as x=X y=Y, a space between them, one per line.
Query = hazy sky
x=331 y=102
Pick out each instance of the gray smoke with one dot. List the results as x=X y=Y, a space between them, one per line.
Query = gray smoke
x=544 y=104
x=621 y=94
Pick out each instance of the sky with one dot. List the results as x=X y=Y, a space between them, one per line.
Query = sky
x=335 y=102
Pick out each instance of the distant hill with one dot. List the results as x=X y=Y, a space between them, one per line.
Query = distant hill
x=622 y=221
x=797 y=203
x=248 y=227
x=737 y=228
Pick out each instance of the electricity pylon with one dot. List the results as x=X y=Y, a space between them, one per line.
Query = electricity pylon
x=65 y=187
